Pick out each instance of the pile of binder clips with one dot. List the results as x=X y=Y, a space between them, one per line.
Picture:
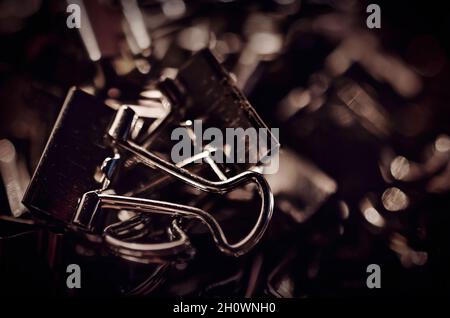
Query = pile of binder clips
x=362 y=161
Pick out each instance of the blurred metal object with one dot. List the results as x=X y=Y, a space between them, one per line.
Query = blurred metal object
x=15 y=177
x=300 y=188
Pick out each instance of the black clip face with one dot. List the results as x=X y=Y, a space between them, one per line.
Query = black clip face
x=72 y=156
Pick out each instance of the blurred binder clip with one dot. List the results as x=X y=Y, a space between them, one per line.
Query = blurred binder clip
x=92 y=146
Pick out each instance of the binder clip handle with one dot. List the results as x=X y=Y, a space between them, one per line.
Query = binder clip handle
x=119 y=134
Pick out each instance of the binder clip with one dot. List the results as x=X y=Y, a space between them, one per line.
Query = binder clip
x=93 y=146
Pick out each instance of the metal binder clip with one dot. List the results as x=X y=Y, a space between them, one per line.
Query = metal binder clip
x=76 y=177
x=91 y=201
x=70 y=164
x=119 y=132
x=213 y=96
